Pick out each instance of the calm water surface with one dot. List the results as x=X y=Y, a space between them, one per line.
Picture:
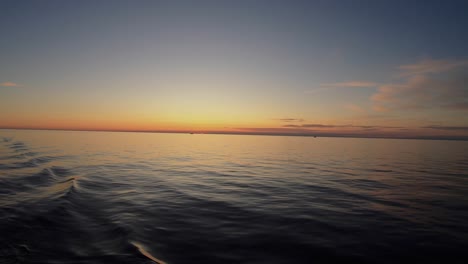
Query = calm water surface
x=101 y=197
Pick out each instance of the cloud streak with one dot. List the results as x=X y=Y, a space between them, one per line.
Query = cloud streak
x=423 y=92
x=9 y=84
x=336 y=126
x=430 y=66
x=289 y=119
x=427 y=84
x=451 y=128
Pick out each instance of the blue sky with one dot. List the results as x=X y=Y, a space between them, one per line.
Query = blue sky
x=217 y=64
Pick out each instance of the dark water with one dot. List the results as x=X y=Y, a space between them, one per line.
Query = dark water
x=96 y=197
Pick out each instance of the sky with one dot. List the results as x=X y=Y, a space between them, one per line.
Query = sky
x=338 y=68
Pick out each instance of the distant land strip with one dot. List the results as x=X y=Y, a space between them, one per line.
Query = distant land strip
x=339 y=135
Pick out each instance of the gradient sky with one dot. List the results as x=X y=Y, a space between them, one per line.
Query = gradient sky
x=372 y=68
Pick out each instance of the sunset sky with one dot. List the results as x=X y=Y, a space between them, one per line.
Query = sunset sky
x=352 y=68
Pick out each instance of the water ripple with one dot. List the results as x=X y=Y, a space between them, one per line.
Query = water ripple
x=136 y=198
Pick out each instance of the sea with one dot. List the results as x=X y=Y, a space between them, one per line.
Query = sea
x=115 y=197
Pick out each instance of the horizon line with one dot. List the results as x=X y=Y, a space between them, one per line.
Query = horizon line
x=248 y=133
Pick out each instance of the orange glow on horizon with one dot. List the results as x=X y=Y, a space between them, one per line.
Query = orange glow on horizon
x=273 y=127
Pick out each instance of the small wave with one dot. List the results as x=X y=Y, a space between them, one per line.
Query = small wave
x=7 y=139
x=18 y=146
x=20 y=155
x=145 y=253
x=34 y=162
x=31 y=163
x=46 y=176
x=364 y=184
x=49 y=184
x=336 y=194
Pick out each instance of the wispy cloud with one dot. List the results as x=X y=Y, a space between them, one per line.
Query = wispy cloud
x=429 y=84
x=430 y=66
x=289 y=119
x=452 y=128
x=9 y=84
x=336 y=126
x=310 y=126
x=356 y=84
